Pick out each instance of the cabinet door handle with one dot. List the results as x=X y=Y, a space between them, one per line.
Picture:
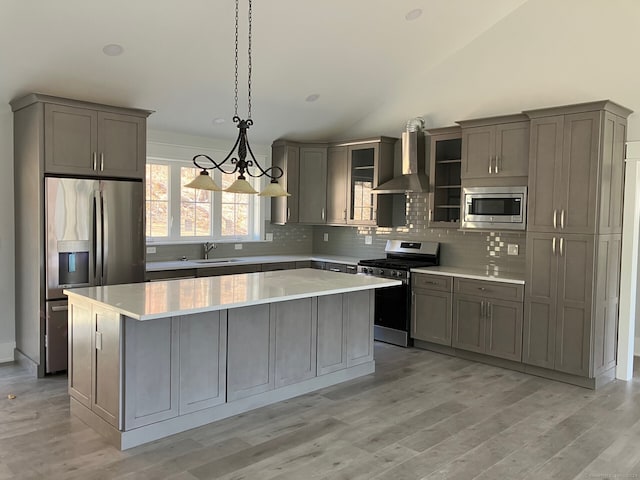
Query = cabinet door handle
x=95 y=160
x=335 y=270
x=553 y=245
x=562 y=219
x=288 y=213
x=562 y=247
x=496 y=169
x=489 y=310
x=60 y=308
x=322 y=213
x=490 y=160
x=102 y=162
x=555 y=218
x=482 y=309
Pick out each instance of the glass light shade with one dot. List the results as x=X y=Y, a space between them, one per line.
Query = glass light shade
x=240 y=186
x=274 y=190
x=204 y=182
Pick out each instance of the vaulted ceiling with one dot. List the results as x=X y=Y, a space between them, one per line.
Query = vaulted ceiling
x=372 y=68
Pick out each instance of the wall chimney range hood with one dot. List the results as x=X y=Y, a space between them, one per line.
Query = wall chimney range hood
x=413 y=178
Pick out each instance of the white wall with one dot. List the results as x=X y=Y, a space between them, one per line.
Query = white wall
x=7 y=296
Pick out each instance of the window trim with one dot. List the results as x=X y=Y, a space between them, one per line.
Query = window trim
x=257 y=206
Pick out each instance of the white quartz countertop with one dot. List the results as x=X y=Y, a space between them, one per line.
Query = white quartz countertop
x=473 y=274
x=226 y=262
x=150 y=300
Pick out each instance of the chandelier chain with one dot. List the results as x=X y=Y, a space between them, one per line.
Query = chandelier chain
x=250 y=65
x=236 y=65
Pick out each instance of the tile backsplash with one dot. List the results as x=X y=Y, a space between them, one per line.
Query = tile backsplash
x=486 y=251
x=287 y=240
x=477 y=250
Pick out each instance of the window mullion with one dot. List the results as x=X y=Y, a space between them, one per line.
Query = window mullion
x=175 y=201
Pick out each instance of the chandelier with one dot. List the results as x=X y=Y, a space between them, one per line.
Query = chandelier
x=239 y=164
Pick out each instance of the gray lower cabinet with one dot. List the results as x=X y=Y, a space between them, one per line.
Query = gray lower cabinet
x=359 y=312
x=160 y=275
x=151 y=381
x=95 y=360
x=227 y=270
x=272 y=267
x=558 y=305
x=490 y=324
x=295 y=348
x=251 y=356
x=332 y=334
x=431 y=308
x=203 y=360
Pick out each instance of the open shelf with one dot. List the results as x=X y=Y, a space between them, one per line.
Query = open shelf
x=449 y=161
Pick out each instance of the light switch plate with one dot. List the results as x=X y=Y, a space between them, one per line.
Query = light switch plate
x=151 y=249
x=368 y=239
x=512 y=249
x=238 y=246
x=268 y=237
x=325 y=237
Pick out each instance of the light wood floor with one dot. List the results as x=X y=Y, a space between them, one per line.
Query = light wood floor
x=421 y=415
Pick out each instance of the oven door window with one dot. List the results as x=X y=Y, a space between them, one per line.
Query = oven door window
x=495 y=206
x=392 y=307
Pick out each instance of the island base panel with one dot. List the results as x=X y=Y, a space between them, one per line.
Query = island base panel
x=156 y=431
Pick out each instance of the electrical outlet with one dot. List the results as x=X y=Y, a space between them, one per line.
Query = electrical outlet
x=238 y=246
x=512 y=249
x=325 y=237
x=368 y=239
x=268 y=237
x=151 y=249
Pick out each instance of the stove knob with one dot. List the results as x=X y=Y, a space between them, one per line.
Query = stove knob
x=381 y=272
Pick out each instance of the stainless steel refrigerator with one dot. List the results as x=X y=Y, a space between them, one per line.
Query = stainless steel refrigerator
x=94 y=236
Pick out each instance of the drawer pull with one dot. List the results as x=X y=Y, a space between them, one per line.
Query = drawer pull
x=482 y=289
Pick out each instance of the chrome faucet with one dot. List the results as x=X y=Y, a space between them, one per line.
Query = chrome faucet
x=207 y=247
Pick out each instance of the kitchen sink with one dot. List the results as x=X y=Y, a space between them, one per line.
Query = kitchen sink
x=216 y=260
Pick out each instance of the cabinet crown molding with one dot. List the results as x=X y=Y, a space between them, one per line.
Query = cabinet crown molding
x=501 y=119
x=22 y=102
x=607 y=105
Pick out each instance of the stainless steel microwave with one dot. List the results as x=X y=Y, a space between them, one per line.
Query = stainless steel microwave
x=494 y=208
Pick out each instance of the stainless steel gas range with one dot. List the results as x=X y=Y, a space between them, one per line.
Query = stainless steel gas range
x=393 y=305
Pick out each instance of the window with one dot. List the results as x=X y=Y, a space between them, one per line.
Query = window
x=157 y=204
x=175 y=213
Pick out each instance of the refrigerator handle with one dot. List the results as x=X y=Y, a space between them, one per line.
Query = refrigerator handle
x=105 y=236
x=97 y=232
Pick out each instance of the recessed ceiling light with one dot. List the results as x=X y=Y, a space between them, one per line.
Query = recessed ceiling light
x=413 y=14
x=113 y=49
x=218 y=121
x=313 y=97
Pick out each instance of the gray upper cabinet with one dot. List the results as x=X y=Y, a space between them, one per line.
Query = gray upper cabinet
x=337 y=181
x=88 y=141
x=369 y=165
x=312 y=193
x=495 y=147
x=286 y=156
x=576 y=170
x=444 y=180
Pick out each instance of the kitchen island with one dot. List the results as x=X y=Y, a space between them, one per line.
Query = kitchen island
x=150 y=360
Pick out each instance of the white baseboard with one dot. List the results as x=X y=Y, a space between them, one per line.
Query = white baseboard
x=636 y=347
x=6 y=352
